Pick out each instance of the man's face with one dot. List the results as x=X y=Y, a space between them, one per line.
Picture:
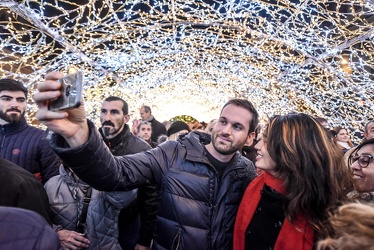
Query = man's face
x=369 y=134
x=12 y=106
x=112 y=118
x=145 y=132
x=144 y=115
x=231 y=130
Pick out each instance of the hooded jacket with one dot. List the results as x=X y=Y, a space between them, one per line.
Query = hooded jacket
x=196 y=209
x=26 y=146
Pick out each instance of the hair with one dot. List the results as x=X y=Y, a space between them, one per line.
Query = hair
x=311 y=165
x=320 y=119
x=142 y=123
x=125 y=106
x=335 y=131
x=147 y=109
x=12 y=85
x=367 y=125
x=244 y=103
x=354 y=228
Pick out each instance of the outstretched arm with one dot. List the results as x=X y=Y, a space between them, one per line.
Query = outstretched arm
x=71 y=124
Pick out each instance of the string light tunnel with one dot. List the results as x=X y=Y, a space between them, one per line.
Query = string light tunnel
x=189 y=57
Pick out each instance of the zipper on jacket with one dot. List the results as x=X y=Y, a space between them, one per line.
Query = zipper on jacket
x=177 y=240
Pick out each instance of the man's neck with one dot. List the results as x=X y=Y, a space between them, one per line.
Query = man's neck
x=218 y=156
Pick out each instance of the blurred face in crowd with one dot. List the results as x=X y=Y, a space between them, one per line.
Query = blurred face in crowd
x=369 y=133
x=263 y=160
x=144 y=115
x=112 y=118
x=230 y=132
x=362 y=166
x=342 y=135
x=12 y=106
x=145 y=132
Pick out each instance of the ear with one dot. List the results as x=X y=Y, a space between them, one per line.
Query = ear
x=250 y=139
x=126 y=118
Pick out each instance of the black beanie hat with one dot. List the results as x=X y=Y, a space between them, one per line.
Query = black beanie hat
x=176 y=127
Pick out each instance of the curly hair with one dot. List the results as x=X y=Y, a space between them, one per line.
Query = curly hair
x=354 y=228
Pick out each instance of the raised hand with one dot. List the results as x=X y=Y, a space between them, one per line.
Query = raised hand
x=71 y=124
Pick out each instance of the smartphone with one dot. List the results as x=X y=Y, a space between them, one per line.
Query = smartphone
x=71 y=92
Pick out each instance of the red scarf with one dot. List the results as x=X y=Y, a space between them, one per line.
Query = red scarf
x=298 y=235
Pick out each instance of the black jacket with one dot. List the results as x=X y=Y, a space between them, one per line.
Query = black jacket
x=157 y=129
x=26 y=146
x=19 y=188
x=196 y=209
x=126 y=143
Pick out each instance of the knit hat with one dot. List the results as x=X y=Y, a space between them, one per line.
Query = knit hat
x=176 y=127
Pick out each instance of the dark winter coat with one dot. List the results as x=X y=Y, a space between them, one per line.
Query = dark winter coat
x=196 y=209
x=25 y=146
x=26 y=230
x=125 y=143
x=19 y=188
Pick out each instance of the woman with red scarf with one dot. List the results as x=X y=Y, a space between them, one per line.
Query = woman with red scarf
x=287 y=206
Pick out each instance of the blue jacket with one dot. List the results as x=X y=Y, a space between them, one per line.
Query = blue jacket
x=25 y=146
x=196 y=210
x=26 y=230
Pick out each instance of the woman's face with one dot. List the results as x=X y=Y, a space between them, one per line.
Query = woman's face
x=342 y=135
x=363 y=177
x=263 y=159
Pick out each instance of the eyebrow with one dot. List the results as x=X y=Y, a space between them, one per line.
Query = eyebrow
x=8 y=96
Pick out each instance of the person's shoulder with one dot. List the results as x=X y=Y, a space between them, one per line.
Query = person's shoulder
x=9 y=169
x=30 y=227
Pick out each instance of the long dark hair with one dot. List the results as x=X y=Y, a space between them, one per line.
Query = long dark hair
x=311 y=165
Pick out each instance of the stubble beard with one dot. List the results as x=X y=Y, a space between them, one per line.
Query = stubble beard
x=224 y=150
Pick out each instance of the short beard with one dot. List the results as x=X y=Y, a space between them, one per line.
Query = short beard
x=227 y=151
x=13 y=118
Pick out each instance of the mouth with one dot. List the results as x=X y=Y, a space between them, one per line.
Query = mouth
x=357 y=176
x=258 y=157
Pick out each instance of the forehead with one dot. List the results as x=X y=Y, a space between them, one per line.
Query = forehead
x=367 y=149
x=370 y=126
x=112 y=105
x=145 y=126
x=14 y=94
x=236 y=114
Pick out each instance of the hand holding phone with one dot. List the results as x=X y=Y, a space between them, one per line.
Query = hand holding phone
x=71 y=92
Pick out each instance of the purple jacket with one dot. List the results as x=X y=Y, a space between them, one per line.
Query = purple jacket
x=25 y=146
x=26 y=230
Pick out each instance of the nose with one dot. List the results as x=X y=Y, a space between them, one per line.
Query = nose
x=355 y=166
x=227 y=129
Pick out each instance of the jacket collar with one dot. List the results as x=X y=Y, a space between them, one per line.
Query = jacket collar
x=14 y=127
x=118 y=138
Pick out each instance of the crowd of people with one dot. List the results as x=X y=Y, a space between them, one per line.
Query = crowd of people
x=227 y=184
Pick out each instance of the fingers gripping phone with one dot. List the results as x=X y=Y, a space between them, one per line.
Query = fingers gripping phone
x=71 y=93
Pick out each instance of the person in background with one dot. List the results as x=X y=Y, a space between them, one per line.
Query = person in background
x=353 y=225
x=176 y=129
x=361 y=164
x=136 y=221
x=322 y=121
x=157 y=127
x=303 y=176
x=145 y=132
x=26 y=230
x=19 y=188
x=367 y=135
x=200 y=184
x=342 y=137
x=83 y=217
x=209 y=127
x=21 y=143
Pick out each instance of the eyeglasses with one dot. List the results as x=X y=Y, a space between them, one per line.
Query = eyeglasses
x=363 y=160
